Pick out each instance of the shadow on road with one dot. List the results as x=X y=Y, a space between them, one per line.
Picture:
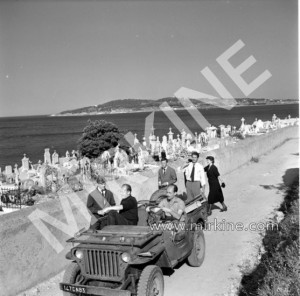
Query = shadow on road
x=288 y=178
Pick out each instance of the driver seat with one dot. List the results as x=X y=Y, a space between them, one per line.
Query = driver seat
x=143 y=216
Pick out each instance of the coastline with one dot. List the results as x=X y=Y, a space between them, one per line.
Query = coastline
x=157 y=109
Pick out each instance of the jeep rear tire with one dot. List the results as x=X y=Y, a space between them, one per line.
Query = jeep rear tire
x=71 y=276
x=151 y=282
x=196 y=258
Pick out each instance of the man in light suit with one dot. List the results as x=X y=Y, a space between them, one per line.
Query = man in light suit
x=166 y=175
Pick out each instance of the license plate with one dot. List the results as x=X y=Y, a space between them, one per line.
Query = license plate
x=72 y=289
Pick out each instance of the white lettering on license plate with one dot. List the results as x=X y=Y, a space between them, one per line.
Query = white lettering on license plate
x=74 y=289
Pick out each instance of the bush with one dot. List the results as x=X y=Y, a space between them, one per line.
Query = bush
x=254 y=159
x=98 y=136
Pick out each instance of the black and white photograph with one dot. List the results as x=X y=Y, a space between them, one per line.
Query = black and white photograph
x=149 y=148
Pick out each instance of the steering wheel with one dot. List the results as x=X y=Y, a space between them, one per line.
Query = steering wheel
x=154 y=208
x=146 y=203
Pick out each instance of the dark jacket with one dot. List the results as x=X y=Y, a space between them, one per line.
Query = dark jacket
x=96 y=201
x=169 y=176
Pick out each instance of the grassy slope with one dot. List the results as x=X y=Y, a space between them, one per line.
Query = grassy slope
x=278 y=273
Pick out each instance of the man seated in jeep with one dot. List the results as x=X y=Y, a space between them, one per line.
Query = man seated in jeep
x=128 y=211
x=99 y=199
x=172 y=206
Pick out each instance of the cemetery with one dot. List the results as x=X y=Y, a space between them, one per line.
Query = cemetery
x=35 y=183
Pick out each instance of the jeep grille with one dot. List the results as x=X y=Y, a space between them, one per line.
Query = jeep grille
x=102 y=263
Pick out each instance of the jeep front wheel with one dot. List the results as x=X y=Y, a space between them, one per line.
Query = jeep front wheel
x=151 y=282
x=196 y=258
x=72 y=275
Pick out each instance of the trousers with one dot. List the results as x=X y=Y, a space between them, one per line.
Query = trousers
x=192 y=190
x=114 y=218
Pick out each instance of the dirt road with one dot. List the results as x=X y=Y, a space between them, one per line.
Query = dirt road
x=252 y=193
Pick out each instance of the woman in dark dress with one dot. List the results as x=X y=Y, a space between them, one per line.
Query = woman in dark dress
x=215 y=191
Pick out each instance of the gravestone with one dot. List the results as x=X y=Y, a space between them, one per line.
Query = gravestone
x=8 y=170
x=23 y=175
x=67 y=155
x=183 y=136
x=25 y=163
x=16 y=171
x=243 y=123
x=157 y=147
x=55 y=158
x=74 y=154
x=213 y=132
x=164 y=143
x=135 y=141
x=47 y=156
x=144 y=142
x=42 y=178
x=170 y=134
x=62 y=160
x=222 y=132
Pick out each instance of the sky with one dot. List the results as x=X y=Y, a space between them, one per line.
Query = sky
x=62 y=55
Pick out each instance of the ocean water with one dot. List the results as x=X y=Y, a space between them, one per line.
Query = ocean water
x=32 y=134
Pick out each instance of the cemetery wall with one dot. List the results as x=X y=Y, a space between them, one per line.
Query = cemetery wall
x=27 y=258
x=230 y=158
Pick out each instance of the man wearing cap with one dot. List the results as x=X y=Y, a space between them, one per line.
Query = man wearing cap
x=195 y=177
x=97 y=200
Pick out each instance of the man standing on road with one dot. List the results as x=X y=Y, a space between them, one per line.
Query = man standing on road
x=97 y=200
x=128 y=211
x=166 y=175
x=195 y=177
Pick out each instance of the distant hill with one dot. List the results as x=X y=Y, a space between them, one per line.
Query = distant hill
x=135 y=105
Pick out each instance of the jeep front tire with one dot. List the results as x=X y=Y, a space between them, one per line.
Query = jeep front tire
x=71 y=276
x=151 y=282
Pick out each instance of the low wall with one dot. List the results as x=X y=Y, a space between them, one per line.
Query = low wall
x=27 y=258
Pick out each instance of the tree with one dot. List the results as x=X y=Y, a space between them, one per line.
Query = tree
x=98 y=136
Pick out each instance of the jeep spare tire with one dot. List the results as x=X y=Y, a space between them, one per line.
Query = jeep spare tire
x=151 y=282
x=196 y=258
x=158 y=195
x=71 y=276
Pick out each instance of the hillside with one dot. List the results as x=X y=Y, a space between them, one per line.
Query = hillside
x=135 y=105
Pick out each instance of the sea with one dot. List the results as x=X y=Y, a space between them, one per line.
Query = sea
x=30 y=135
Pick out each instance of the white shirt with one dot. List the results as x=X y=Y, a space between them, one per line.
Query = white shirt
x=198 y=173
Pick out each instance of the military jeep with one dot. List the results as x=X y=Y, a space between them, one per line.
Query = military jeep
x=128 y=260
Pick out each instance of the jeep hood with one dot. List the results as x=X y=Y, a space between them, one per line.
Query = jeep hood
x=125 y=235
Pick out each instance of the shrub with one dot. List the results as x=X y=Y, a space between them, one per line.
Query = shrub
x=254 y=159
x=98 y=136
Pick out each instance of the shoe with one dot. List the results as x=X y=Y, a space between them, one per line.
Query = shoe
x=224 y=209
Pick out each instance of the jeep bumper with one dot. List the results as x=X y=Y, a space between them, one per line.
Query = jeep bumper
x=92 y=290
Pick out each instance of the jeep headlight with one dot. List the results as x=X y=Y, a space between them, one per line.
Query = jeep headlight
x=125 y=257
x=79 y=254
